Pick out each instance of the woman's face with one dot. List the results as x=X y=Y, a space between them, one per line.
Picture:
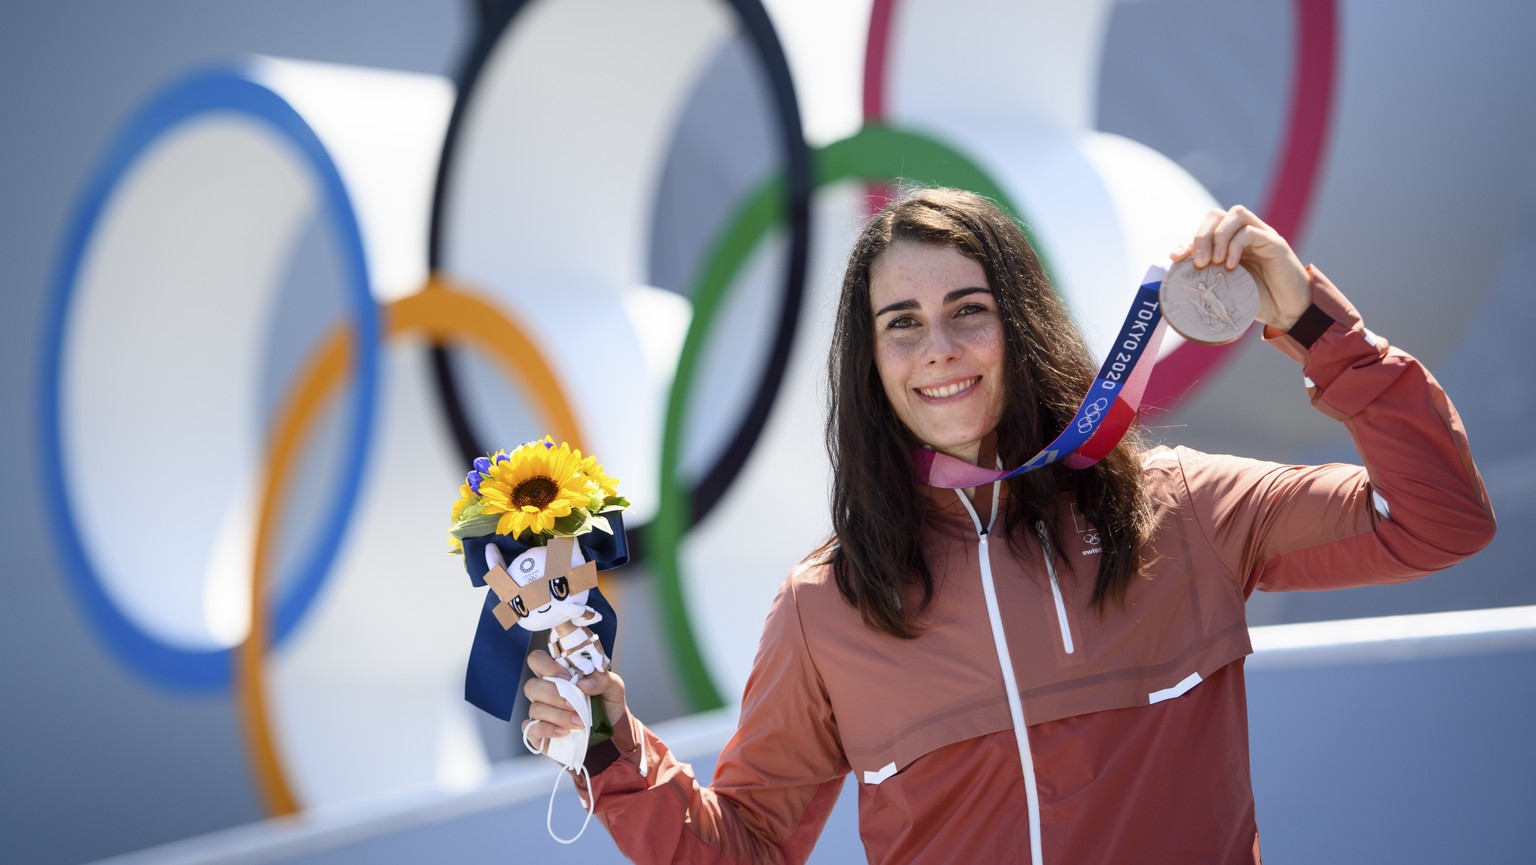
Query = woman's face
x=938 y=345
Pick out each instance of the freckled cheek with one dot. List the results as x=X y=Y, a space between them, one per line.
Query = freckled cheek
x=983 y=337
x=894 y=362
x=984 y=345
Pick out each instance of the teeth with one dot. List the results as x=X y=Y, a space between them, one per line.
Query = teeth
x=946 y=390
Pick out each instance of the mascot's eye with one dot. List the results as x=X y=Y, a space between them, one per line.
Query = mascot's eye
x=560 y=588
x=519 y=606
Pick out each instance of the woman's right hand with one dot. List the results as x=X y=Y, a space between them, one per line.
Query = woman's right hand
x=549 y=715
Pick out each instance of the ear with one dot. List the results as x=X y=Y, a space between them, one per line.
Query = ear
x=493 y=559
x=476 y=555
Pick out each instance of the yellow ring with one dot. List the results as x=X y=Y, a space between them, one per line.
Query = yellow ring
x=443 y=313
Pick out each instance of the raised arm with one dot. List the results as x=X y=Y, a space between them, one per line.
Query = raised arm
x=1415 y=506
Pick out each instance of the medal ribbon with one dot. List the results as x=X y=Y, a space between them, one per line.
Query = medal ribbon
x=1103 y=417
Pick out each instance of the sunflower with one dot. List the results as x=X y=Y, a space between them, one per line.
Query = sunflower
x=604 y=485
x=534 y=486
x=466 y=498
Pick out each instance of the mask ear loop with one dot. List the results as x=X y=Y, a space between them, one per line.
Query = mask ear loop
x=591 y=805
x=549 y=815
x=527 y=744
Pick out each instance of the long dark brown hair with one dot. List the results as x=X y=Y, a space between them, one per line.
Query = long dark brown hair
x=876 y=517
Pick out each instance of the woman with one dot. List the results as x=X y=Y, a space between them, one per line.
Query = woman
x=1049 y=668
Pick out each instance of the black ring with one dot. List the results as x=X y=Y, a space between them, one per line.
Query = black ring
x=758 y=28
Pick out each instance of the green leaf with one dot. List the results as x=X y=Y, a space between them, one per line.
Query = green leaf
x=572 y=524
x=475 y=526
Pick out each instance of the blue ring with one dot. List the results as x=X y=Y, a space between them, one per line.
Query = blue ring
x=227 y=89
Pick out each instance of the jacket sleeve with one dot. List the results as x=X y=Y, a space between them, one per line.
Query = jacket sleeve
x=775 y=783
x=1416 y=505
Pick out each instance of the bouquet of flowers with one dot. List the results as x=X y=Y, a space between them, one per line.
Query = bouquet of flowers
x=538 y=492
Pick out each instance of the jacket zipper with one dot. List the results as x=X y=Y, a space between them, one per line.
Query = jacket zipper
x=1061 y=606
x=1010 y=683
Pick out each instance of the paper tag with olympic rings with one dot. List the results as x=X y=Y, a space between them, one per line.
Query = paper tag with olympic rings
x=1103 y=417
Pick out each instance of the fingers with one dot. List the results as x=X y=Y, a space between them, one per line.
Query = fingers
x=547 y=706
x=1238 y=236
x=1200 y=245
x=1239 y=241
x=1222 y=237
x=1239 y=225
x=539 y=733
x=550 y=716
x=542 y=664
x=605 y=685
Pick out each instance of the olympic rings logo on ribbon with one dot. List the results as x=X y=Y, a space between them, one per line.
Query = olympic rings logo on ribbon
x=1091 y=414
x=231 y=105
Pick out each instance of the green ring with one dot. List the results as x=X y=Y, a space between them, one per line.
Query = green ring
x=876 y=154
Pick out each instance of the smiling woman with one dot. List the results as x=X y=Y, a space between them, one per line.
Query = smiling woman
x=1079 y=686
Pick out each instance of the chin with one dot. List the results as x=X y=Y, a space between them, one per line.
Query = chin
x=953 y=444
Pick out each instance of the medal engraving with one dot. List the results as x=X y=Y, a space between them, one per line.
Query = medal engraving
x=1209 y=305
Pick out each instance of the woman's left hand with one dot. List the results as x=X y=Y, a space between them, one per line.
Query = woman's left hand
x=1230 y=237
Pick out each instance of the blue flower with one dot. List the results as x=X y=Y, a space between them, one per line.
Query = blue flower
x=474 y=482
x=483 y=464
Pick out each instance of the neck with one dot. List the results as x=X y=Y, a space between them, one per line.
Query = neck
x=971 y=453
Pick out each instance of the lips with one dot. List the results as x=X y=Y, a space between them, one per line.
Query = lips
x=948 y=390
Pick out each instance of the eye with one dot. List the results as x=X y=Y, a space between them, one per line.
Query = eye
x=901 y=322
x=970 y=309
x=520 y=607
x=560 y=588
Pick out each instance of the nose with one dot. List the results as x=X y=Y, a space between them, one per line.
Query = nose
x=942 y=344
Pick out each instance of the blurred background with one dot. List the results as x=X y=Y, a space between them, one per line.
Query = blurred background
x=279 y=270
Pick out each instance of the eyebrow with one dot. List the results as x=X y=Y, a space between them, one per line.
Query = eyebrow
x=953 y=296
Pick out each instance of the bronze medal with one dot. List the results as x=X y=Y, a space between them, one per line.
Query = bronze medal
x=1209 y=305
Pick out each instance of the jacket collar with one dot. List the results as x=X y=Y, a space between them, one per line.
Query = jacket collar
x=944 y=505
